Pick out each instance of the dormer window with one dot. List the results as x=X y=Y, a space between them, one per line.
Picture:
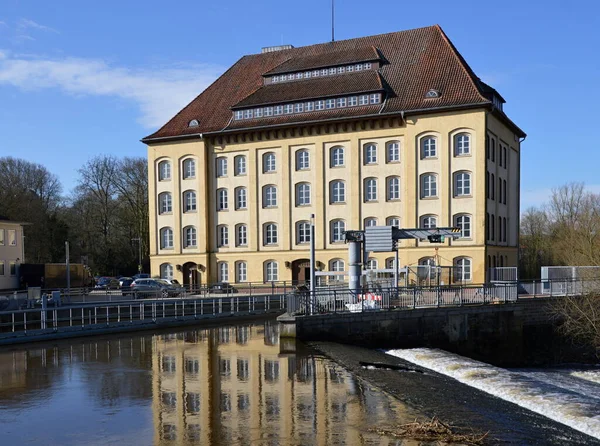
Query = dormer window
x=193 y=123
x=432 y=94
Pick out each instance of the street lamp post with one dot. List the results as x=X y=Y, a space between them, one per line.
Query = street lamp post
x=139 y=240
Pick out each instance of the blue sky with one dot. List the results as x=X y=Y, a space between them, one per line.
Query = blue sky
x=79 y=79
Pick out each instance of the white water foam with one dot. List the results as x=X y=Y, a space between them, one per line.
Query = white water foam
x=575 y=404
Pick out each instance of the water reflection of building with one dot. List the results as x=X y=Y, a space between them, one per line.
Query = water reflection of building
x=230 y=386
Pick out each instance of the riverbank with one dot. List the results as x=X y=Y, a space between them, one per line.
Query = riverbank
x=465 y=408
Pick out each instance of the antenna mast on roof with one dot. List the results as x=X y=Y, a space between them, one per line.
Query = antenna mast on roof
x=332 y=22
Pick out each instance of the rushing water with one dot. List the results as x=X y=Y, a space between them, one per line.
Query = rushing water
x=567 y=395
x=227 y=385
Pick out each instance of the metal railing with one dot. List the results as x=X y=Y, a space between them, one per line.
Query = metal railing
x=56 y=318
x=326 y=300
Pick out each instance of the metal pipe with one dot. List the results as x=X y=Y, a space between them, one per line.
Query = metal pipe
x=312 y=264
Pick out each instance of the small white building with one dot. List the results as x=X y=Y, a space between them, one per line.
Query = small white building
x=12 y=253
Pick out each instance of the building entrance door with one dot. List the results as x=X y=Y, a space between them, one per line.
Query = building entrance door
x=300 y=271
x=191 y=275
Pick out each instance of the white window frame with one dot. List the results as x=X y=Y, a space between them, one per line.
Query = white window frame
x=241 y=271
x=352 y=101
x=393 y=188
x=271 y=271
x=2 y=237
x=222 y=236
x=393 y=221
x=428 y=147
x=164 y=170
x=303 y=194
x=302 y=232
x=268 y=111
x=370 y=189
x=338 y=191
x=189 y=201
x=337 y=156
x=363 y=99
x=241 y=198
x=370 y=222
x=370 y=153
x=241 y=235
x=462 y=184
x=429 y=185
x=166 y=271
x=269 y=162
x=222 y=199
x=463 y=269
x=375 y=98
x=464 y=222
x=269 y=196
x=223 y=271
x=270 y=233
x=393 y=151
x=189 y=168
x=221 y=166
x=372 y=264
x=337 y=228
x=240 y=165
x=302 y=159
x=329 y=104
x=166 y=238
x=190 y=237
x=428 y=222
x=462 y=144
x=320 y=105
x=288 y=109
x=165 y=203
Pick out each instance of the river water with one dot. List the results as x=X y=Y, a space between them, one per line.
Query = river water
x=227 y=385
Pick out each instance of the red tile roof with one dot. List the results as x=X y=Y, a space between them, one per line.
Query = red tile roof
x=334 y=58
x=415 y=61
x=320 y=87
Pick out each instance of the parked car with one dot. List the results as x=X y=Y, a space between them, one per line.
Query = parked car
x=155 y=288
x=107 y=283
x=141 y=276
x=222 y=287
x=125 y=283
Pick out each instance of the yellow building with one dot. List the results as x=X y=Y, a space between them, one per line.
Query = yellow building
x=393 y=129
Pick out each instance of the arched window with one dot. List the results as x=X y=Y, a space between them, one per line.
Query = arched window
x=371 y=189
x=504 y=188
x=240 y=165
x=269 y=162
x=493 y=228
x=269 y=196
x=371 y=221
x=164 y=171
x=371 y=153
x=302 y=159
x=463 y=221
x=492 y=186
x=221 y=166
x=222 y=235
x=462 y=269
x=504 y=225
x=390 y=263
x=189 y=201
x=166 y=271
x=165 y=204
x=393 y=221
x=240 y=198
x=499 y=190
x=338 y=266
x=427 y=261
x=222 y=202
x=428 y=221
x=338 y=191
x=429 y=147
x=189 y=168
x=337 y=156
x=223 y=270
x=302 y=232
x=462 y=184
x=302 y=194
x=337 y=231
x=428 y=185
x=393 y=188
x=499 y=229
x=166 y=238
x=189 y=237
x=393 y=152
x=241 y=271
x=241 y=235
x=462 y=144
x=372 y=263
x=270 y=234
x=271 y=271
x=493 y=151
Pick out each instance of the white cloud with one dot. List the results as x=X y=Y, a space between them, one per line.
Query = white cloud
x=159 y=92
x=30 y=24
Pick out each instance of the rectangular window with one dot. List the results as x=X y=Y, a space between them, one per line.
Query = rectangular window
x=290 y=77
x=319 y=105
x=275 y=79
x=306 y=74
x=13 y=268
x=353 y=101
x=315 y=73
x=330 y=103
x=364 y=99
x=341 y=102
x=298 y=75
x=268 y=111
x=332 y=71
x=1 y=268
x=258 y=113
x=367 y=65
x=1 y=237
x=279 y=109
x=299 y=107
x=309 y=106
x=376 y=98
x=248 y=114
x=341 y=69
x=289 y=108
x=12 y=237
x=239 y=114
x=350 y=68
x=324 y=72
x=358 y=67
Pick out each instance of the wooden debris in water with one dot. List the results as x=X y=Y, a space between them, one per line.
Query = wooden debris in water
x=433 y=430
